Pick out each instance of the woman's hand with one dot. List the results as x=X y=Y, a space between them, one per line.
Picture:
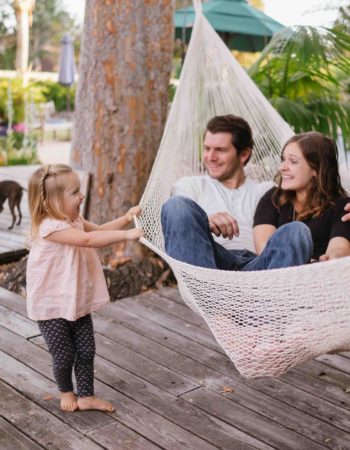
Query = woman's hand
x=346 y=217
x=338 y=247
x=324 y=257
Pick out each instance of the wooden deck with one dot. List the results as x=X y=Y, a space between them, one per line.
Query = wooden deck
x=172 y=386
x=13 y=242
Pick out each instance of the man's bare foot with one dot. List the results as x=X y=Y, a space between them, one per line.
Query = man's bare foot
x=68 y=401
x=93 y=402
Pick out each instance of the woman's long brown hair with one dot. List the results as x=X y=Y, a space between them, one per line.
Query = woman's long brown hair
x=321 y=154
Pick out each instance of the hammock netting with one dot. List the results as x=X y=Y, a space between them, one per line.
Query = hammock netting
x=266 y=321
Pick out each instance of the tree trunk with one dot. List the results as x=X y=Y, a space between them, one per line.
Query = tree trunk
x=121 y=101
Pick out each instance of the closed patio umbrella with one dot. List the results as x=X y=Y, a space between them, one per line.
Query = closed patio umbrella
x=241 y=26
x=66 y=74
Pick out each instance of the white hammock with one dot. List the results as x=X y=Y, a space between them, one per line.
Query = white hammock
x=266 y=321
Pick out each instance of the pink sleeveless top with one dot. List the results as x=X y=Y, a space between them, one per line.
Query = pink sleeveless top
x=63 y=281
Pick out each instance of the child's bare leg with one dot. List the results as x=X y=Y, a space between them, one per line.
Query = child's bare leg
x=92 y=402
x=68 y=401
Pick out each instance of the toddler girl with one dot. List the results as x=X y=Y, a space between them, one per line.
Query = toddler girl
x=65 y=281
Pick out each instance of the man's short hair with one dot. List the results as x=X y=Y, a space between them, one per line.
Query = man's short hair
x=242 y=136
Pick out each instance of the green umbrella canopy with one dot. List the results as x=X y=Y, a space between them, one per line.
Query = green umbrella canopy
x=240 y=25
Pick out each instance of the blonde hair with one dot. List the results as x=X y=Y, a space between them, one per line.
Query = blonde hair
x=45 y=194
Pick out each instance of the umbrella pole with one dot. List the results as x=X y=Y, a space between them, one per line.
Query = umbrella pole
x=68 y=100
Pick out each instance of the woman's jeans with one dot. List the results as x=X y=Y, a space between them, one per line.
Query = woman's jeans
x=188 y=238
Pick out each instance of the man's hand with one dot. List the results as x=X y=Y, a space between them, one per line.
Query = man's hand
x=346 y=217
x=222 y=224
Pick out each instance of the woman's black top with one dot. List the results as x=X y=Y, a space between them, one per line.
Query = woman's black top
x=323 y=228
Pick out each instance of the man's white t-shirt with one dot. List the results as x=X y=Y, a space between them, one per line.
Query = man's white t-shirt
x=240 y=203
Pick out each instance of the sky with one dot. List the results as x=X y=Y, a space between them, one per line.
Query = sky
x=287 y=12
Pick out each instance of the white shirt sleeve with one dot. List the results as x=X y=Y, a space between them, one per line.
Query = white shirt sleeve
x=187 y=187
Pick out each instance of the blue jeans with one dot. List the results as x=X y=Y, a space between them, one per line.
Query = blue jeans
x=188 y=238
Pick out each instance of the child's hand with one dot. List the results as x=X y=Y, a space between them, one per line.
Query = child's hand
x=134 y=211
x=134 y=234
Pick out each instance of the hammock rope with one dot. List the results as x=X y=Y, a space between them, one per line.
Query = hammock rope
x=268 y=321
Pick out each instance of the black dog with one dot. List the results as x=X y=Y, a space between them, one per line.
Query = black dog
x=13 y=192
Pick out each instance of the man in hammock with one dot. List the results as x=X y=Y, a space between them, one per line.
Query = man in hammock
x=194 y=213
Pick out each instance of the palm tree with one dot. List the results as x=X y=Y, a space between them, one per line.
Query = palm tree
x=303 y=72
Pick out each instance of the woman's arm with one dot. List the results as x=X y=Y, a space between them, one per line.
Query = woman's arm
x=338 y=247
x=117 y=224
x=346 y=217
x=99 y=238
x=261 y=235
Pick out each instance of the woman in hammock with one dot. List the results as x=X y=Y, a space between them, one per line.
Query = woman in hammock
x=308 y=190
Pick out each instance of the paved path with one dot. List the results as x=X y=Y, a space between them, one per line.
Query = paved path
x=172 y=385
x=53 y=152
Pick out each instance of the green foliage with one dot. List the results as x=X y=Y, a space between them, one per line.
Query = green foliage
x=36 y=92
x=31 y=92
x=303 y=73
x=7 y=36
x=58 y=94
x=171 y=92
x=26 y=154
x=343 y=21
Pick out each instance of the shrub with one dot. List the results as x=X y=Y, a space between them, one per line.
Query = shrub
x=58 y=94
x=32 y=93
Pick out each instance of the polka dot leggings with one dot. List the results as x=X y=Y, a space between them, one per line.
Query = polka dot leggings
x=71 y=344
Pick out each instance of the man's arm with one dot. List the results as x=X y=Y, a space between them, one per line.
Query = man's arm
x=220 y=223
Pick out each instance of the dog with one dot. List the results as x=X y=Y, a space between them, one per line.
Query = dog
x=12 y=191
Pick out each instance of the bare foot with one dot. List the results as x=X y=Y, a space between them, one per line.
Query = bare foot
x=93 y=402
x=68 y=401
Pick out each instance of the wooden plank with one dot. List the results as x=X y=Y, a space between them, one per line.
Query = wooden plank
x=169 y=406
x=155 y=373
x=294 y=397
x=330 y=376
x=152 y=330
x=118 y=336
x=322 y=385
x=21 y=325
x=175 y=409
x=156 y=352
x=13 y=439
x=297 y=410
x=117 y=436
x=13 y=301
x=336 y=361
x=155 y=300
x=290 y=403
x=38 y=387
x=249 y=422
x=45 y=429
x=139 y=418
x=172 y=293
x=197 y=334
